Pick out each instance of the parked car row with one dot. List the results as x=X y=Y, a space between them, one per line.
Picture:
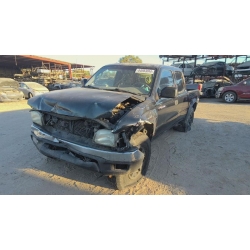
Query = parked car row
x=12 y=90
x=209 y=88
x=214 y=68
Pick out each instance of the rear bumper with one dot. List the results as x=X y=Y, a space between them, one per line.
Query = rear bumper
x=105 y=162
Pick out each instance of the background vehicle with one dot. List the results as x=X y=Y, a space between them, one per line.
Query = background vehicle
x=9 y=90
x=214 y=68
x=243 y=68
x=31 y=89
x=185 y=67
x=108 y=125
x=239 y=91
x=209 y=88
x=58 y=86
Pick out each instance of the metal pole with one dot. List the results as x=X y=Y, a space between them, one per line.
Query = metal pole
x=224 y=73
x=183 y=66
x=235 y=65
x=70 y=71
x=195 y=58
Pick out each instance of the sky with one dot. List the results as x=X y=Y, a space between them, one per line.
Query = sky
x=100 y=60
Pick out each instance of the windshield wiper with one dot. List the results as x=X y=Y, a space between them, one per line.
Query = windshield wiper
x=91 y=87
x=123 y=90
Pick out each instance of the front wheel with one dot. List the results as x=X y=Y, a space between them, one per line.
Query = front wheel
x=229 y=97
x=142 y=142
x=30 y=95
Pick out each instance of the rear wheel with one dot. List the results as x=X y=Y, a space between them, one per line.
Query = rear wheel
x=142 y=142
x=229 y=97
x=30 y=95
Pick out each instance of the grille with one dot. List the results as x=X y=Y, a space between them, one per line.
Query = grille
x=84 y=128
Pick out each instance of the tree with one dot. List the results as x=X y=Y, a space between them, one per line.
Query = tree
x=130 y=59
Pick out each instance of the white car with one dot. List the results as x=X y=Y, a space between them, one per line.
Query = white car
x=186 y=67
x=31 y=89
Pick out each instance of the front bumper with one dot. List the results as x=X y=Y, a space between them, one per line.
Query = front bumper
x=105 y=162
x=218 y=94
x=11 y=97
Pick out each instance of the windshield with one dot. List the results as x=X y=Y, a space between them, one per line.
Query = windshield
x=137 y=80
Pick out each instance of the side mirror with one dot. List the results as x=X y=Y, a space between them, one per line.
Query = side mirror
x=169 y=92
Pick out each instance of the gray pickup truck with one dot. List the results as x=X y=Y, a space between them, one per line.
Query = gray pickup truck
x=107 y=126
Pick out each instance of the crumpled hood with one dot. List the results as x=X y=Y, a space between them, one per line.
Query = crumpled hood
x=8 y=82
x=79 y=102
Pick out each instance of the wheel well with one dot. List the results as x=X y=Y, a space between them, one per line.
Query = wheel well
x=150 y=129
x=194 y=106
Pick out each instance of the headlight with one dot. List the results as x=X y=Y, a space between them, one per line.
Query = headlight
x=220 y=89
x=105 y=137
x=37 y=117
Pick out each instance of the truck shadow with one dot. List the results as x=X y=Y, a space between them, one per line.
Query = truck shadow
x=212 y=158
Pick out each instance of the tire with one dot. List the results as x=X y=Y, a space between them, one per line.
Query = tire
x=30 y=95
x=141 y=141
x=185 y=125
x=229 y=97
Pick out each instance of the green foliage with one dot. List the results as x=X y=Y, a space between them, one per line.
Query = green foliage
x=130 y=59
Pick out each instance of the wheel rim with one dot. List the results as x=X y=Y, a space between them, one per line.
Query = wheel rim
x=229 y=97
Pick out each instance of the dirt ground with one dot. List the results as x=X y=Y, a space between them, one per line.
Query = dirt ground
x=212 y=158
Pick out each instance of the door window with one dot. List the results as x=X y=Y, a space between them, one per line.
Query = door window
x=179 y=79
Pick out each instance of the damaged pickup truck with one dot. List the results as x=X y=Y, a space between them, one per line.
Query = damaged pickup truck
x=107 y=125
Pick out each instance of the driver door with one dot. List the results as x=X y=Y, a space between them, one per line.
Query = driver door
x=166 y=107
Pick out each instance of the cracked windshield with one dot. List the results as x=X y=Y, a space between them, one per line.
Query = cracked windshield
x=129 y=79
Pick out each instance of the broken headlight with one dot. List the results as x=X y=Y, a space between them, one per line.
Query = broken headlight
x=37 y=117
x=105 y=137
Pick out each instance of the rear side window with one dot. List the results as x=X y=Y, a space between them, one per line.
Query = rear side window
x=179 y=79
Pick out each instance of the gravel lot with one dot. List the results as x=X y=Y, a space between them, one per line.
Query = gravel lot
x=213 y=158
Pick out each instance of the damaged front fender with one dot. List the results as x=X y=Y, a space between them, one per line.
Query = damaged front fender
x=138 y=117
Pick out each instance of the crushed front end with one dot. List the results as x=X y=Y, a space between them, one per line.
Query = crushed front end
x=88 y=143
